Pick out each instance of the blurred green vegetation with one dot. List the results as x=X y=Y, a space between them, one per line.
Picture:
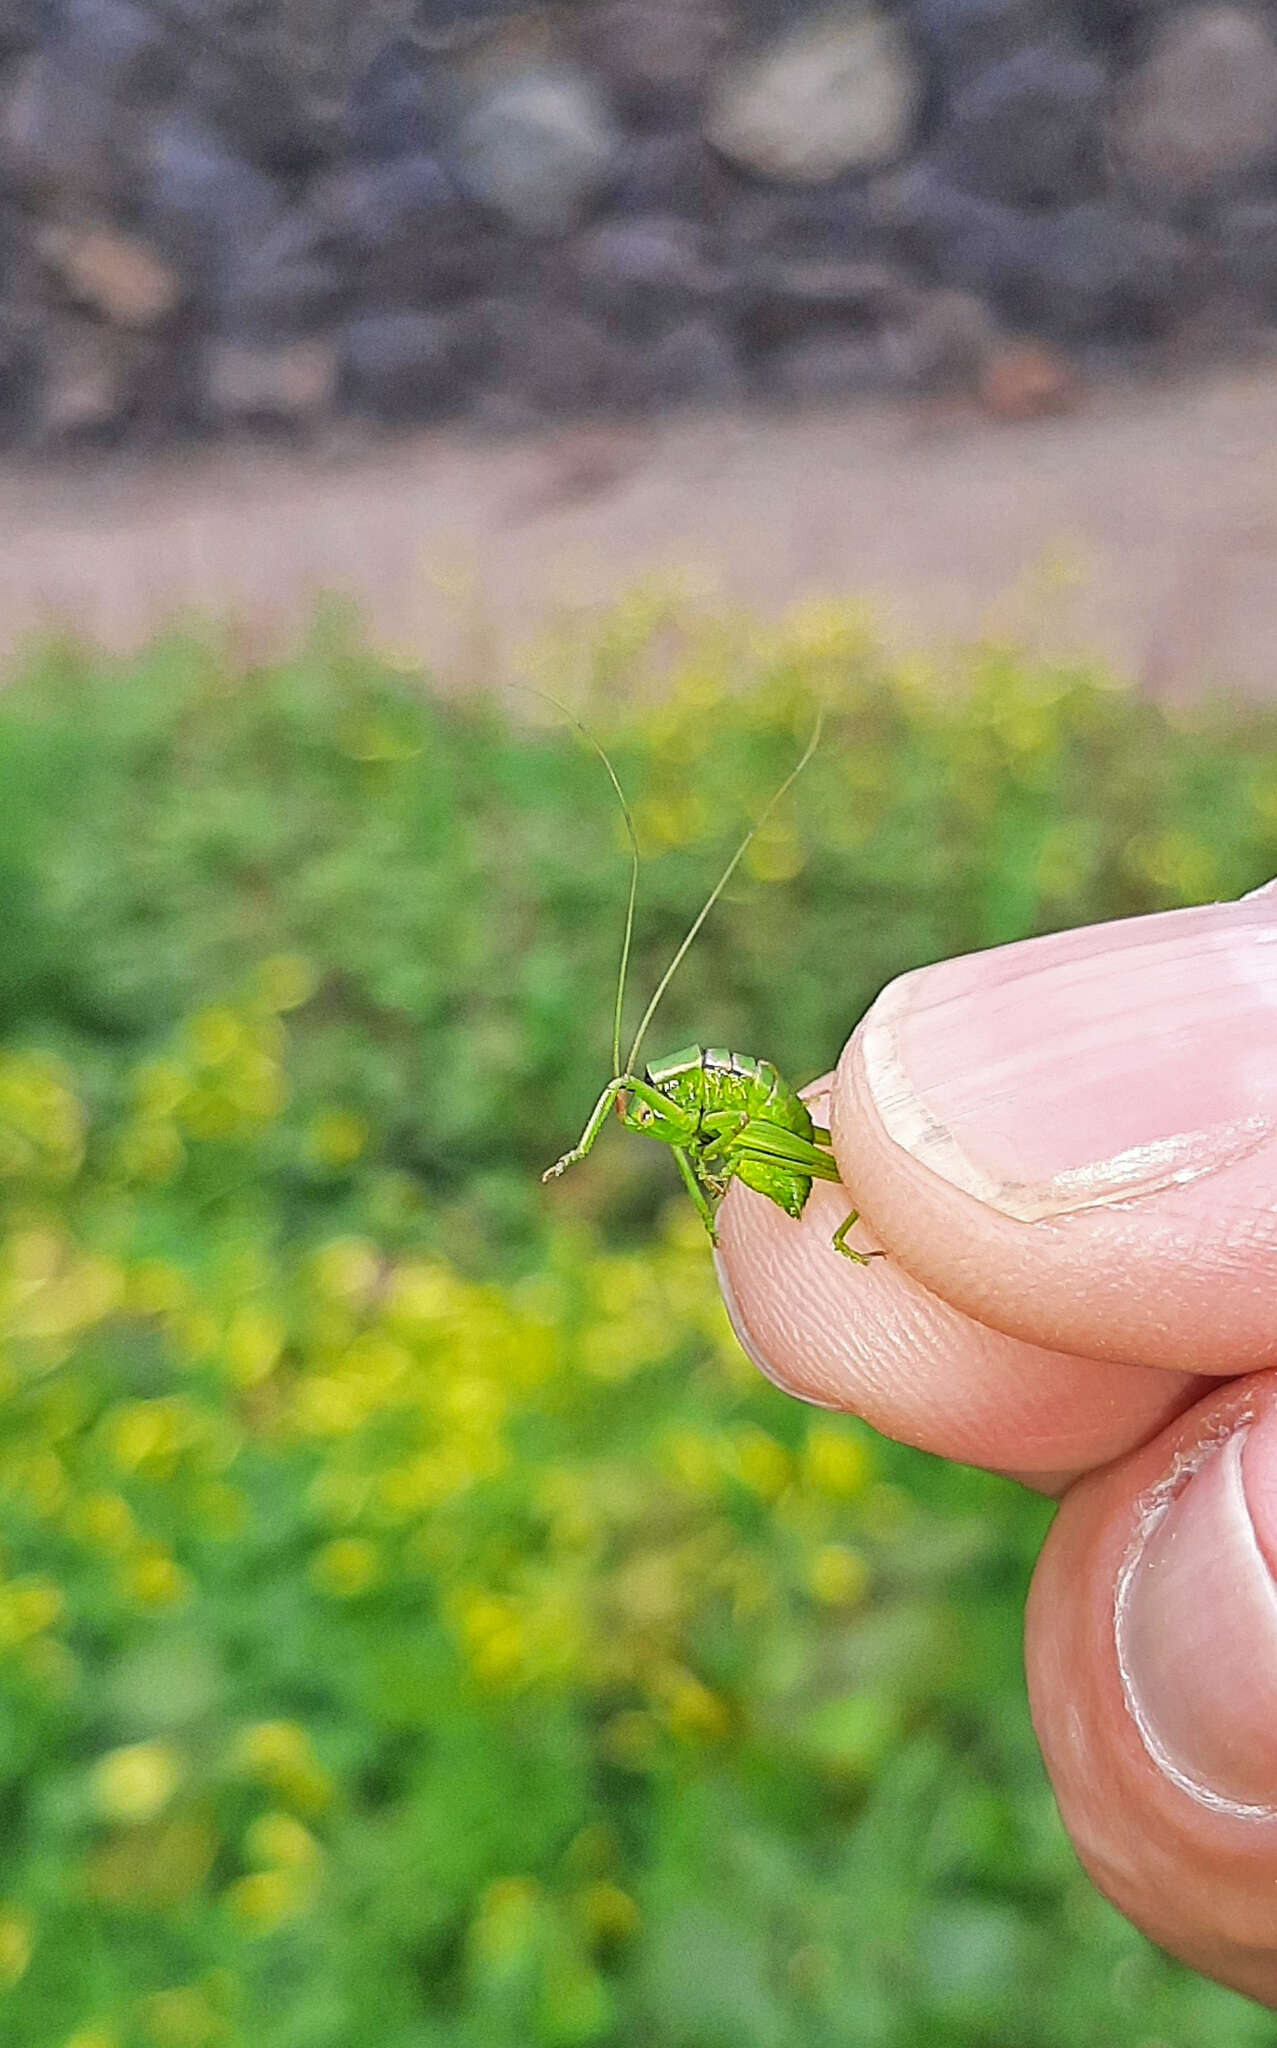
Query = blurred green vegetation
x=417 y=1623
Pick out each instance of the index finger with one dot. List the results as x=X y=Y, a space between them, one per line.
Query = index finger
x=1072 y=1139
x=1066 y=1147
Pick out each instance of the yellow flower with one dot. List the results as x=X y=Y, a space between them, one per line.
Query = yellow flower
x=493 y=1635
x=694 y=1713
x=839 y=1576
x=265 y=1899
x=17 y=1939
x=278 y=1842
x=28 y=1606
x=609 y=1914
x=836 y=1461
x=286 y=981
x=254 y=1341
x=279 y=1754
x=215 y=1036
x=134 y=1784
x=154 y=1289
x=150 y=1151
x=347 y=1269
x=159 y=1087
x=337 y=1137
x=507 y=1923
x=347 y=1568
x=103 y=1520
x=182 y=2018
x=154 y=1579
x=776 y=855
x=143 y=1433
x=761 y=1463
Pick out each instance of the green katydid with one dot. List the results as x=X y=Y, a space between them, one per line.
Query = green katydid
x=725 y=1115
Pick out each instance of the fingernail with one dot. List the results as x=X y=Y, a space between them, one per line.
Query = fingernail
x=1088 y=1067
x=1197 y=1627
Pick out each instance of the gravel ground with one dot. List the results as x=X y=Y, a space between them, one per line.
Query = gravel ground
x=1142 y=526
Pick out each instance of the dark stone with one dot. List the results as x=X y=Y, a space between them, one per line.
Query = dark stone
x=558 y=363
x=834 y=223
x=645 y=273
x=829 y=366
x=260 y=108
x=656 y=55
x=669 y=174
x=22 y=26
x=398 y=366
x=1109 y=275
x=404 y=232
x=997 y=253
x=781 y=301
x=286 y=282
x=89 y=380
x=124 y=50
x=401 y=105
x=1248 y=253
x=483 y=337
x=443 y=21
x=203 y=204
x=939 y=338
x=693 y=362
x=924 y=215
x=21 y=354
x=63 y=142
x=1027 y=130
x=962 y=37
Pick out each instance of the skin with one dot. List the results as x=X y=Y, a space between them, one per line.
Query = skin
x=1115 y=1349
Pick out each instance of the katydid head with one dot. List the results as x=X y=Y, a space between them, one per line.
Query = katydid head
x=655 y=1116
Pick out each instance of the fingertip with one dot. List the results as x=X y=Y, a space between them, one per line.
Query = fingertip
x=1075 y=1138
x=872 y=1340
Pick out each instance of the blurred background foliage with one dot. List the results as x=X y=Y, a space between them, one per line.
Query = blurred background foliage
x=418 y=1625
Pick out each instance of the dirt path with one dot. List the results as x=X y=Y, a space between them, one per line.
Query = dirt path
x=1154 y=512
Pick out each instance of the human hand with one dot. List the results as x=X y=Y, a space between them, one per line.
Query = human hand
x=1068 y=1148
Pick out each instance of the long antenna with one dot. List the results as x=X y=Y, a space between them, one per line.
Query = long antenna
x=628 y=815
x=719 y=887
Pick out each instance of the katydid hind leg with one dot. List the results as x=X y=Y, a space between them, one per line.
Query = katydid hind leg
x=765 y=1140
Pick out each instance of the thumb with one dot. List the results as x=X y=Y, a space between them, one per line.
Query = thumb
x=1152 y=1664
x=1072 y=1139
